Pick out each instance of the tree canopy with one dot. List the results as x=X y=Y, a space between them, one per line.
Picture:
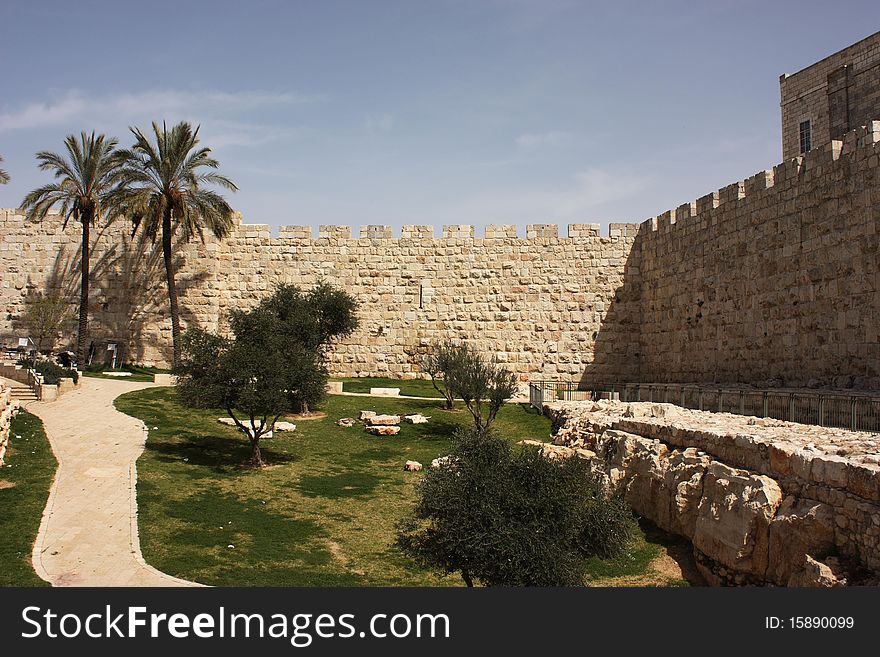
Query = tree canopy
x=274 y=362
x=82 y=192
x=162 y=189
x=441 y=363
x=481 y=382
x=501 y=517
x=44 y=316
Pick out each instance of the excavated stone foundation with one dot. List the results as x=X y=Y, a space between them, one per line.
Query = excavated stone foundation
x=763 y=501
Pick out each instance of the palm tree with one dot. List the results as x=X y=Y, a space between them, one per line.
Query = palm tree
x=83 y=180
x=160 y=189
x=4 y=177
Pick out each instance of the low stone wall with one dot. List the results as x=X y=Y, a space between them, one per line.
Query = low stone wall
x=8 y=408
x=763 y=501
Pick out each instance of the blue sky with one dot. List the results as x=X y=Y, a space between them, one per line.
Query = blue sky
x=417 y=112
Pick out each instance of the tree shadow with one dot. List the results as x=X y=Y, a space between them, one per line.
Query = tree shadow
x=128 y=299
x=340 y=485
x=219 y=454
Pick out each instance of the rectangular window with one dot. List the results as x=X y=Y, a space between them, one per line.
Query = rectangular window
x=806 y=133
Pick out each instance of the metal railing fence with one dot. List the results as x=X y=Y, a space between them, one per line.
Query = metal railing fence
x=858 y=412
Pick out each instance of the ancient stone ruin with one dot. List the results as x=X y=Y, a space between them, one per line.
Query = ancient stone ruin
x=763 y=501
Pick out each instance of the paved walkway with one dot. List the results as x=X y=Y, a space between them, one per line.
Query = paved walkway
x=89 y=534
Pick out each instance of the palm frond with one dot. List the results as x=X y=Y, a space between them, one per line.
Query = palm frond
x=166 y=173
x=84 y=177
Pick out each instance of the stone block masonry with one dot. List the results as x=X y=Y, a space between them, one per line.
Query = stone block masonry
x=8 y=408
x=836 y=95
x=763 y=501
x=772 y=281
x=537 y=303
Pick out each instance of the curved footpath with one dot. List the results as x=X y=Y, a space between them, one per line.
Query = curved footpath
x=89 y=534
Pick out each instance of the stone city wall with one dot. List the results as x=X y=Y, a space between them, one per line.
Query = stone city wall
x=538 y=303
x=771 y=281
x=128 y=300
x=763 y=501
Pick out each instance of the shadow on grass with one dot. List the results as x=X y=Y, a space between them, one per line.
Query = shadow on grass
x=678 y=548
x=222 y=538
x=345 y=484
x=220 y=454
x=440 y=427
x=379 y=453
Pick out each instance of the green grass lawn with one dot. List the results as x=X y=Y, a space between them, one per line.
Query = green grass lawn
x=25 y=480
x=413 y=388
x=323 y=513
x=138 y=373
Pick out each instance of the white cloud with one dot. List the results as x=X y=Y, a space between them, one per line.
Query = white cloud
x=575 y=201
x=120 y=110
x=220 y=133
x=39 y=114
x=552 y=138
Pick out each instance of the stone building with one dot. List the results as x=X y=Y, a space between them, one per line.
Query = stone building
x=831 y=97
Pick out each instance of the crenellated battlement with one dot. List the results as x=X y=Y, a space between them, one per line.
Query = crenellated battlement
x=491 y=232
x=772 y=278
x=769 y=277
x=857 y=145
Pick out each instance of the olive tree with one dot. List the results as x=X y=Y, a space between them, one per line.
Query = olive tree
x=274 y=362
x=241 y=375
x=483 y=384
x=501 y=517
x=308 y=323
x=440 y=363
x=44 y=317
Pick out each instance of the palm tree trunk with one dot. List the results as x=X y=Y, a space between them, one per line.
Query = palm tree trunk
x=172 y=288
x=83 y=332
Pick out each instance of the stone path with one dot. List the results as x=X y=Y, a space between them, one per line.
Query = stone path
x=89 y=534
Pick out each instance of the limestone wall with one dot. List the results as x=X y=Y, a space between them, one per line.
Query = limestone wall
x=128 y=300
x=539 y=303
x=763 y=501
x=773 y=280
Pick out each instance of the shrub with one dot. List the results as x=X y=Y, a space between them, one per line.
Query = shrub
x=52 y=372
x=482 y=384
x=505 y=518
x=444 y=358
